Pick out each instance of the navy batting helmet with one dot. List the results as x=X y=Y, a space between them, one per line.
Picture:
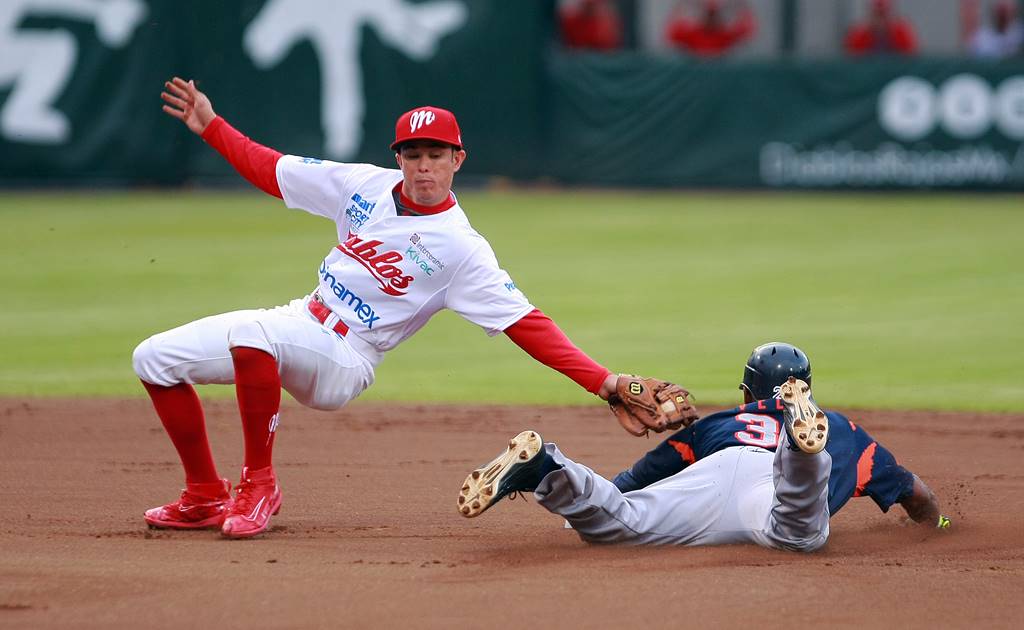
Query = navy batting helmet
x=770 y=365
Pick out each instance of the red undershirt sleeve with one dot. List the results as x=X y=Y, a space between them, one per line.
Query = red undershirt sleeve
x=543 y=340
x=252 y=160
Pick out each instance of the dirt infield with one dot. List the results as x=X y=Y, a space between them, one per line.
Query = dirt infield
x=369 y=536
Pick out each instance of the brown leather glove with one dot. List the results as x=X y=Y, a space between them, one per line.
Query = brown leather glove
x=649 y=404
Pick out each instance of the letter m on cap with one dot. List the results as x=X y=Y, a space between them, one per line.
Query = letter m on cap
x=420 y=118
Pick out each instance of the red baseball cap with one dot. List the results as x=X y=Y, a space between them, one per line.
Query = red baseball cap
x=427 y=123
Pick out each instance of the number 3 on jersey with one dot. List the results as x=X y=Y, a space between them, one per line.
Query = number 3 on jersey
x=761 y=431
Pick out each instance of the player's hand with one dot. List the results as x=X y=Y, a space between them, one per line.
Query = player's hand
x=608 y=386
x=185 y=102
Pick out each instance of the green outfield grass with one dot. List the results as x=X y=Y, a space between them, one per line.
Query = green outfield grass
x=902 y=301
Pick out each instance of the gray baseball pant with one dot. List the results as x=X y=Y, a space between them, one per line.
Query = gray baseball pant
x=741 y=494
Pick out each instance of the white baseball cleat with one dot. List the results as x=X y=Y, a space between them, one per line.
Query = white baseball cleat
x=806 y=423
x=517 y=469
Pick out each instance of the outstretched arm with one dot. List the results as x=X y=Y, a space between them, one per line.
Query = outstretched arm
x=880 y=477
x=253 y=161
x=543 y=340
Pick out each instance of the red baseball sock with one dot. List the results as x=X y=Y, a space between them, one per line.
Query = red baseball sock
x=258 y=387
x=182 y=416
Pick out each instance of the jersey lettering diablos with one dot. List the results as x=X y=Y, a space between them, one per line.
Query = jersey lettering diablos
x=390 y=274
x=860 y=465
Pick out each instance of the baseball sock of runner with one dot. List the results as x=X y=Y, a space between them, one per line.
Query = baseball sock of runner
x=182 y=416
x=258 y=387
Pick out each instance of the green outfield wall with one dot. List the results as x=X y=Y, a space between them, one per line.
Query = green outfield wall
x=839 y=124
x=79 y=99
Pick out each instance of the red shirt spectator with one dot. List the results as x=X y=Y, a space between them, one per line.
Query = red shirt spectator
x=883 y=32
x=710 y=35
x=593 y=24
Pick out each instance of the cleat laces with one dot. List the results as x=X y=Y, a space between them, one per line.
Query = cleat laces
x=243 y=497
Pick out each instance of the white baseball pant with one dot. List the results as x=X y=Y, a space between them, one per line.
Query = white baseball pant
x=318 y=367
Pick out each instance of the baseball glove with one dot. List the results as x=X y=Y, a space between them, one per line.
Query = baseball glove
x=649 y=404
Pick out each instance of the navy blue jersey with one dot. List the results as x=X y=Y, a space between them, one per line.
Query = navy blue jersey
x=860 y=465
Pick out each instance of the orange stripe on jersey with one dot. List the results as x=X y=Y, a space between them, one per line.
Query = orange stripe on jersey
x=864 y=466
x=684 y=451
x=853 y=427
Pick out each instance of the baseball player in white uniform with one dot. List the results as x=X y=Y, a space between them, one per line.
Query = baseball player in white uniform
x=405 y=251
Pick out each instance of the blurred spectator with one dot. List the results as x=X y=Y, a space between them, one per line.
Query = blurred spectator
x=710 y=34
x=1002 y=37
x=592 y=24
x=884 y=32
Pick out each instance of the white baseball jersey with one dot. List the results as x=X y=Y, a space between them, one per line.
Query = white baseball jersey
x=386 y=278
x=390 y=274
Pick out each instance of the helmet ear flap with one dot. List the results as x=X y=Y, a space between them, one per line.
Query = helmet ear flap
x=753 y=379
x=748 y=396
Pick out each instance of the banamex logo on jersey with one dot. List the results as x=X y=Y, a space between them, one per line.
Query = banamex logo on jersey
x=383 y=266
x=363 y=310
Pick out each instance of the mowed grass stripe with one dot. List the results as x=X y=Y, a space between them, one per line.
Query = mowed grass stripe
x=902 y=301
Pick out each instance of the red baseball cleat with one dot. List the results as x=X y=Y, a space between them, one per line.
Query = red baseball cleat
x=257 y=498
x=192 y=511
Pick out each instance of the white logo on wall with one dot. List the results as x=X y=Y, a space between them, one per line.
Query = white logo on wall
x=986 y=121
x=965 y=106
x=37 y=63
x=420 y=118
x=334 y=28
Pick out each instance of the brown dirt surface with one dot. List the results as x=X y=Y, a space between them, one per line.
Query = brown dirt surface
x=369 y=535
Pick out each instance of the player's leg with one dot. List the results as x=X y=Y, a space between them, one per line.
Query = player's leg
x=168 y=364
x=798 y=518
x=206 y=497
x=282 y=347
x=258 y=392
x=685 y=509
x=312 y=363
x=316 y=366
x=692 y=507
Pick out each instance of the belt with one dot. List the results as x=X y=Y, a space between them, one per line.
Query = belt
x=325 y=315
